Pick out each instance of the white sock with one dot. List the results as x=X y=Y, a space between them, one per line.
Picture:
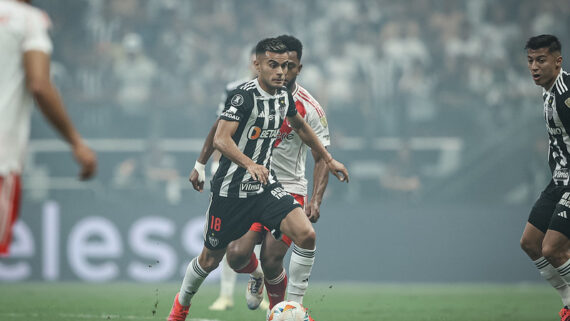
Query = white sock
x=299 y=272
x=258 y=273
x=227 y=280
x=193 y=278
x=551 y=274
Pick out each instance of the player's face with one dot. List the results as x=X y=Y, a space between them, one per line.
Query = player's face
x=271 y=69
x=544 y=66
x=294 y=68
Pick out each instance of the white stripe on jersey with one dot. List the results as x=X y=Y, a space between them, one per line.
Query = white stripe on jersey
x=224 y=189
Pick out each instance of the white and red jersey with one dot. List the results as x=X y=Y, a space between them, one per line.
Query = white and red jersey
x=290 y=153
x=22 y=28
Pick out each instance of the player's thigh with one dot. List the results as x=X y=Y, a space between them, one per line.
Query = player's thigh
x=560 y=223
x=277 y=204
x=227 y=219
x=542 y=211
x=297 y=227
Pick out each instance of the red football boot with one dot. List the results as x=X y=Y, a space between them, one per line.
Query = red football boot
x=178 y=311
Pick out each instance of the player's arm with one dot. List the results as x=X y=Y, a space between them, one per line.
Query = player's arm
x=36 y=65
x=320 y=181
x=224 y=142
x=308 y=137
x=198 y=174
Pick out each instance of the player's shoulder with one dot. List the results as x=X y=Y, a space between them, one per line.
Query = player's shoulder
x=236 y=83
x=26 y=10
x=243 y=94
x=311 y=104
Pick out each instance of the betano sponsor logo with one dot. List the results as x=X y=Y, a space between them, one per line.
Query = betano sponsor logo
x=255 y=133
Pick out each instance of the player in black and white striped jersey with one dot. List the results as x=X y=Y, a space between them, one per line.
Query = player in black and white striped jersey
x=244 y=189
x=546 y=237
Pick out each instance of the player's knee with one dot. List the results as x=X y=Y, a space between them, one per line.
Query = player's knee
x=236 y=256
x=531 y=247
x=550 y=252
x=272 y=264
x=307 y=238
x=208 y=263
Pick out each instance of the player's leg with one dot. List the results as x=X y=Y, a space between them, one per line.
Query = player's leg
x=242 y=258
x=227 y=220
x=10 y=191
x=532 y=240
x=272 y=253
x=299 y=229
x=228 y=277
x=272 y=262
x=196 y=273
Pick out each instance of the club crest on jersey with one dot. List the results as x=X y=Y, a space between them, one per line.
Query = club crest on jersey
x=237 y=100
x=567 y=102
x=213 y=241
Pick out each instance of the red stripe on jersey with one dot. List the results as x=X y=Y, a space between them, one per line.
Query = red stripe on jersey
x=286 y=128
x=305 y=96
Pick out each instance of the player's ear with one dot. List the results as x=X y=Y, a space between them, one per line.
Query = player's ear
x=559 y=61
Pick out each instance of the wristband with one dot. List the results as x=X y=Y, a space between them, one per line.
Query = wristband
x=201 y=169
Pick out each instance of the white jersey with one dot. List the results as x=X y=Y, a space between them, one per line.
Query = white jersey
x=290 y=153
x=22 y=28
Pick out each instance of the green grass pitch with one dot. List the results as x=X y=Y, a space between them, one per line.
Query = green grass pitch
x=327 y=302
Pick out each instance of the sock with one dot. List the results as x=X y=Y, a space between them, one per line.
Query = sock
x=552 y=275
x=253 y=267
x=276 y=289
x=227 y=280
x=300 y=267
x=193 y=278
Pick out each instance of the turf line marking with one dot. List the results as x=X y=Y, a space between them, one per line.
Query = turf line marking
x=92 y=316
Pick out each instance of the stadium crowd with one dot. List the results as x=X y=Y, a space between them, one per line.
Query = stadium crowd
x=404 y=69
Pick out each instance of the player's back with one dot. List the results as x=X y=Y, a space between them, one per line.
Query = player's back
x=22 y=28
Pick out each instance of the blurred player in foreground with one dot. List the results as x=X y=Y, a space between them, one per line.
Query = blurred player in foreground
x=546 y=237
x=25 y=50
x=244 y=189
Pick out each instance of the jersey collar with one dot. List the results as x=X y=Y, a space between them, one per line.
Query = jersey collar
x=554 y=83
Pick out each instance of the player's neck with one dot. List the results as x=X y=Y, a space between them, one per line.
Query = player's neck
x=292 y=87
x=270 y=91
x=549 y=86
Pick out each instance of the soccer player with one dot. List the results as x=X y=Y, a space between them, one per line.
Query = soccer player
x=546 y=235
x=25 y=50
x=244 y=189
x=228 y=276
x=288 y=161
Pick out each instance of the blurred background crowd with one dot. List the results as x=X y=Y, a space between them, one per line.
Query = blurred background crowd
x=426 y=99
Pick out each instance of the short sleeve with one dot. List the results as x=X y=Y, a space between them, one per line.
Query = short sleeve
x=36 y=36
x=237 y=104
x=317 y=120
x=291 y=110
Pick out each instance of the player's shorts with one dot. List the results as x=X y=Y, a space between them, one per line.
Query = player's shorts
x=230 y=218
x=10 y=192
x=258 y=227
x=552 y=210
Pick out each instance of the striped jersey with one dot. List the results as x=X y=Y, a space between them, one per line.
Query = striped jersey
x=557 y=117
x=260 y=116
x=290 y=153
x=23 y=28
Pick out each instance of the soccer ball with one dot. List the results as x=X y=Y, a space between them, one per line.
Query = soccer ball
x=288 y=311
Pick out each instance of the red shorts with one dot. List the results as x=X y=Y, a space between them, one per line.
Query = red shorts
x=10 y=192
x=257 y=227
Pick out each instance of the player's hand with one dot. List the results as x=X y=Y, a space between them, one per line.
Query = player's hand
x=259 y=173
x=87 y=159
x=198 y=177
x=313 y=212
x=337 y=169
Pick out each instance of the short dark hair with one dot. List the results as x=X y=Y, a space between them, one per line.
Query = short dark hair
x=293 y=44
x=271 y=45
x=544 y=41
